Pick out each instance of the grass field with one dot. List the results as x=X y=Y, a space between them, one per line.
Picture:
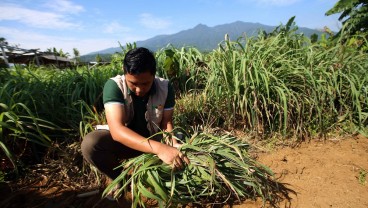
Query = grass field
x=274 y=85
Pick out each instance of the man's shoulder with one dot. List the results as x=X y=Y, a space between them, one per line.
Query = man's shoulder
x=162 y=82
x=111 y=83
x=160 y=79
x=117 y=78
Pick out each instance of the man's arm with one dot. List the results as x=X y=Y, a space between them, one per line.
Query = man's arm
x=124 y=135
x=167 y=120
x=167 y=125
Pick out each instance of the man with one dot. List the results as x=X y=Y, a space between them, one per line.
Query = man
x=137 y=105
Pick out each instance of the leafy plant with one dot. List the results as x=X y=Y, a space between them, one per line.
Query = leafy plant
x=15 y=126
x=353 y=14
x=184 y=67
x=220 y=171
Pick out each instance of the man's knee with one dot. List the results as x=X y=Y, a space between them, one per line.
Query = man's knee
x=91 y=142
x=87 y=146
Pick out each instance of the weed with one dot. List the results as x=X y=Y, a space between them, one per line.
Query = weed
x=362 y=178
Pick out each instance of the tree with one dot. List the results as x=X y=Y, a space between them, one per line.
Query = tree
x=76 y=55
x=354 y=16
x=55 y=51
x=59 y=52
x=314 y=38
x=98 y=58
x=63 y=54
x=4 y=43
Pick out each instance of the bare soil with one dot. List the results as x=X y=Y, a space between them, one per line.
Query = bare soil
x=328 y=173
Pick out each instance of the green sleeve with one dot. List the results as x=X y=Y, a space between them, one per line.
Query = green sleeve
x=112 y=93
x=170 y=100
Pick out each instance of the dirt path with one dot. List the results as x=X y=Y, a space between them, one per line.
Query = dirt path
x=330 y=173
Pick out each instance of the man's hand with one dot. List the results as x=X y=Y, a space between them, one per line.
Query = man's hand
x=172 y=156
x=177 y=145
x=175 y=142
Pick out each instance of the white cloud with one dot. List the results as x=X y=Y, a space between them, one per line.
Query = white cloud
x=152 y=22
x=34 y=40
x=64 y=6
x=34 y=18
x=115 y=27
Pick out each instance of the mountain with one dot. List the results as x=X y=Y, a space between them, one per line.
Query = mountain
x=203 y=37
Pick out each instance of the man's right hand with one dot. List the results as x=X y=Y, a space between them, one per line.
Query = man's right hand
x=172 y=156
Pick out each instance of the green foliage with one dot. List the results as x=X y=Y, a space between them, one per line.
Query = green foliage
x=314 y=38
x=59 y=52
x=362 y=178
x=18 y=122
x=283 y=83
x=90 y=117
x=354 y=16
x=98 y=58
x=276 y=83
x=41 y=105
x=184 y=67
x=220 y=170
x=76 y=55
x=55 y=95
x=191 y=110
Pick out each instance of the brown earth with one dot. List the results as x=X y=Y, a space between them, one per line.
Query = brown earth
x=331 y=173
x=328 y=173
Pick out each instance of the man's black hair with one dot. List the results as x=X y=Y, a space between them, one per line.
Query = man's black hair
x=139 y=60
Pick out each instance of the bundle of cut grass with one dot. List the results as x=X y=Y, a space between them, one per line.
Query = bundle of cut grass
x=220 y=170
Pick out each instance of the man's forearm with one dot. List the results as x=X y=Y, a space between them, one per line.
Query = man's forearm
x=133 y=140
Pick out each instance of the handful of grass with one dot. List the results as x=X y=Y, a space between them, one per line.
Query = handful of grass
x=220 y=169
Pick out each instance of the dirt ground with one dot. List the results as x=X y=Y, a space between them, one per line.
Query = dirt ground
x=329 y=173
x=332 y=173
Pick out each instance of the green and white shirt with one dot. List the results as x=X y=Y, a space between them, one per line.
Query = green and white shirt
x=113 y=94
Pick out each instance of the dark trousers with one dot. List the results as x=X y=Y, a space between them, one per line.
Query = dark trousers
x=100 y=150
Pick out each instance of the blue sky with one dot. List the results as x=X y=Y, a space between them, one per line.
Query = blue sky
x=95 y=25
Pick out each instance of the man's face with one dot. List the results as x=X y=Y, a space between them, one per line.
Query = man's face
x=140 y=84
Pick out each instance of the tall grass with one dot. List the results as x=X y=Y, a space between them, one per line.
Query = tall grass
x=279 y=82
x=17 y=129
x=286 y=84
x=60 y=102
x=55 y=95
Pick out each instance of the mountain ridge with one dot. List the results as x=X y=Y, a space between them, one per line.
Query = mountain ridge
x=203 y=37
